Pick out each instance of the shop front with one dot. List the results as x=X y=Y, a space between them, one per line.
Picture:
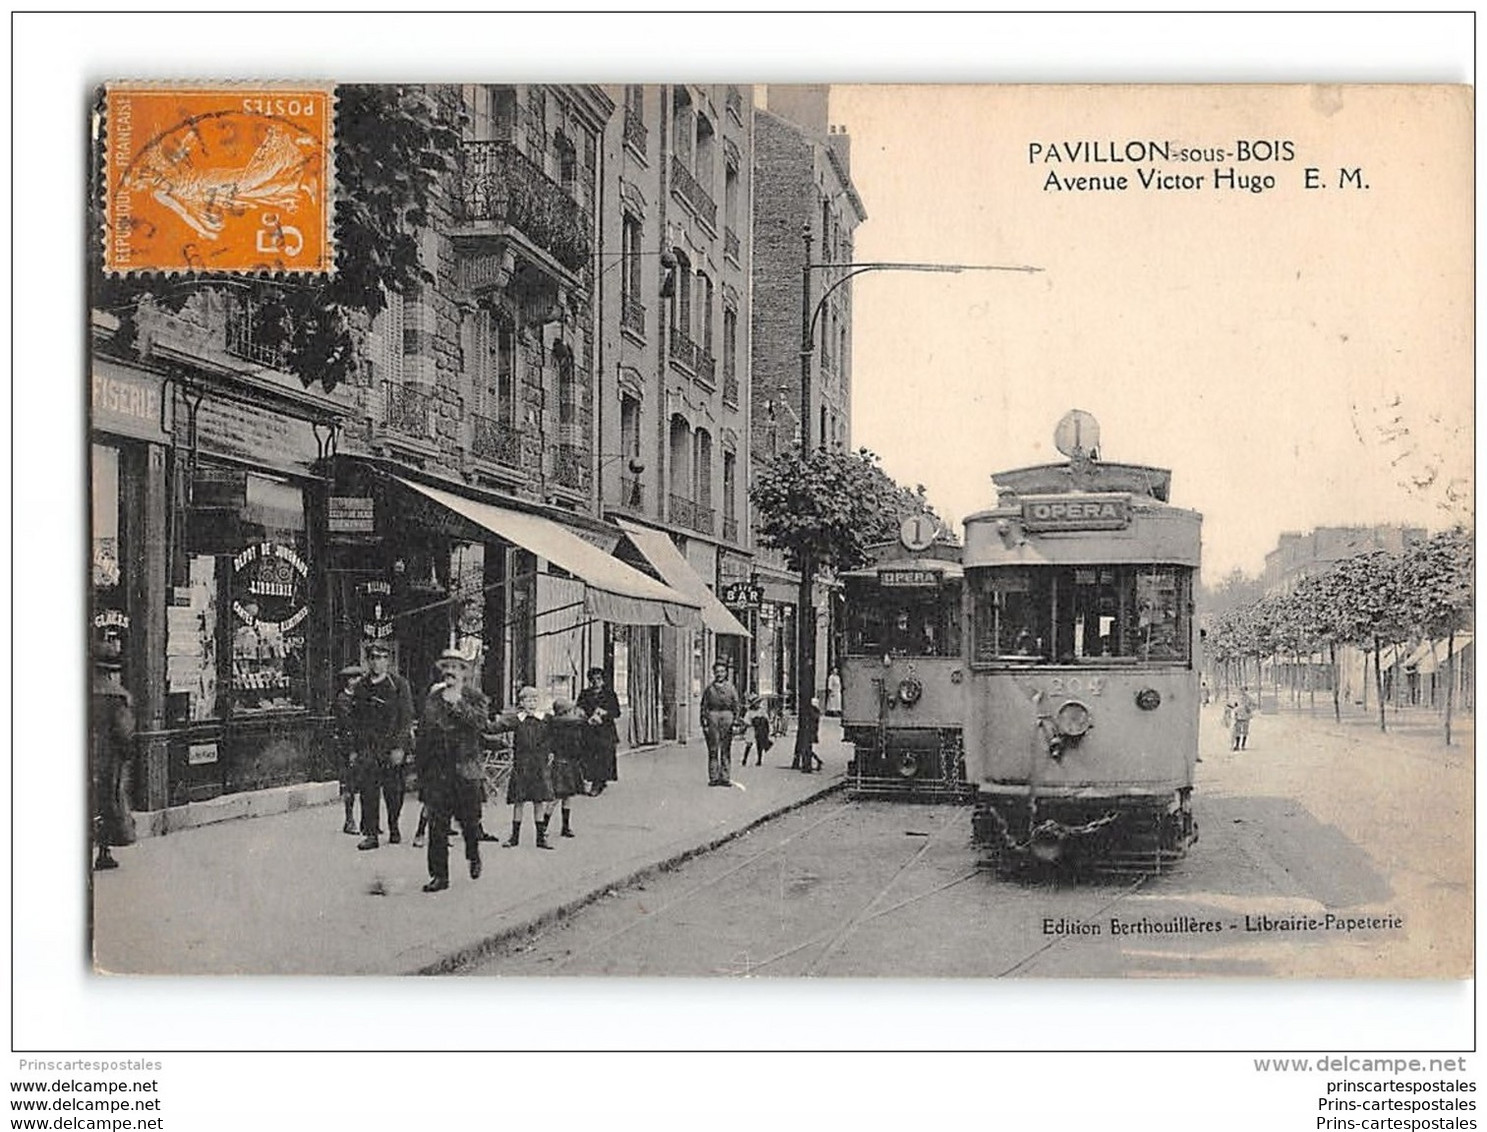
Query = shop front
x=531 y=600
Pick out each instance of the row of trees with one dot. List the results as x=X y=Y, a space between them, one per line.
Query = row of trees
x=1371 y=601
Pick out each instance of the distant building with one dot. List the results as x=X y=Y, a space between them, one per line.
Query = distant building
x=802 y=182
x=1300 y=556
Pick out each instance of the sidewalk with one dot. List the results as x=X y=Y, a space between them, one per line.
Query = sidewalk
x=289 y=894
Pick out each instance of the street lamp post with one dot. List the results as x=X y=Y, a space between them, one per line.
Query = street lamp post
x=805 y=618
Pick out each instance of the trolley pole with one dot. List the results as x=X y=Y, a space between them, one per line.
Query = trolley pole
x=805 y=612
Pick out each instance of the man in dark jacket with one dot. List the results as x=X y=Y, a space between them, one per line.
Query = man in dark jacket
x=601 y=707
x=449 y=772
x=381 y=719
x=112 y=727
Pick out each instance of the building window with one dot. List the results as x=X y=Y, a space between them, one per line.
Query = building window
x=730 y=486
x=492 y=112
x=567 y=161
x=730 y=198
x=681 y=311
x=681 y=124
x=567 y=391
x=704 y=335
x=504 y=387
x=635 y=100
x=681 y=458
x=706 y=153
x=702 y=468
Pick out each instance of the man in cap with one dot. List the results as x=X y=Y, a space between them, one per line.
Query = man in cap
x=112 y=742
x=720 y=707
x=449 y=772
x=381 y=717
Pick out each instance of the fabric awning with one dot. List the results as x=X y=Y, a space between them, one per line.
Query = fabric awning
x=1432 y=654
x=662 y=553
x=613 y=591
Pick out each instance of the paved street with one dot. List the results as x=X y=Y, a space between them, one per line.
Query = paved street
x=1314 y=818
x=290 y=894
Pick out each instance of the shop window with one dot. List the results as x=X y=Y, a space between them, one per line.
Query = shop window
x=236 y=637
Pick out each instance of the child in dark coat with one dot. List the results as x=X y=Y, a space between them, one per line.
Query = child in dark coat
x=568 y=732
x=531 y=766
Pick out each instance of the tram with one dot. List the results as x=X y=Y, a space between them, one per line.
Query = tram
x=902 y=668
x=1083 y=663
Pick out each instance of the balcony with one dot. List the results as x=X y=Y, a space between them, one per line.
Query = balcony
x=730 y=383
x=499 y=185
x=684 y=352
x=408 y=410
x=504 y=444
x=694 y=516
x=730 y=529
x=632 y=316
x=570 y=467
x=731 y=245
x=692 y=194
x=635 y=132
x=246 y=337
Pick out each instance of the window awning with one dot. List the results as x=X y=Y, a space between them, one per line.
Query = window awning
x=1432 y=654
x=662 y=553
x=613 y=591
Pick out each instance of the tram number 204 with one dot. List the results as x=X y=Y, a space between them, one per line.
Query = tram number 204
x=1076 y=685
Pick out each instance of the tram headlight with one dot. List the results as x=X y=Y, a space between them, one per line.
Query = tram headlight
x=1073 y=719
x=1148 y=699
x=910 y=691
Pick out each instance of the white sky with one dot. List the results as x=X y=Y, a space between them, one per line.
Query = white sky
x=1253 y=343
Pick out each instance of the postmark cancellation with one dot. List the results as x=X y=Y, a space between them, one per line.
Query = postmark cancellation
x=235 y=178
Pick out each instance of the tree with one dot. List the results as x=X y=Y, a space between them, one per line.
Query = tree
x=824 y=509
x=1436 y=580
x=1366 y=597
x=393 y=146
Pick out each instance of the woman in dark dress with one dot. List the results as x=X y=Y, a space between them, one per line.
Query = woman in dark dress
x=601 y=707
x=531 y=766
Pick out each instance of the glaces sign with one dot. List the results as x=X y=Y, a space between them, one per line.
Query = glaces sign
x=1076 y=512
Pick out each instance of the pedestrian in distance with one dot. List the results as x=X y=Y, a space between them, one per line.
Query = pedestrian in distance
x=720 y=707
x=1240 y=711
x=382 y=720
x=111 y=744
x=344 y=740
x=531 y=766
x=834 y=693
x=568 y=731
x=599 y=704
x=756 y=731
x=455 y=715
x=810 y=721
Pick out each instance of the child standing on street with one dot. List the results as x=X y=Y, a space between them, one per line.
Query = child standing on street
x=531 y=766
x=756 y=733
x=568 y=732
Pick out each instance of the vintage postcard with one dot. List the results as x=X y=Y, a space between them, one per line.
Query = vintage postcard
x=703 y=529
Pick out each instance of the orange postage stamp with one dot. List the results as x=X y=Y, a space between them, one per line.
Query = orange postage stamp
x=234 y=178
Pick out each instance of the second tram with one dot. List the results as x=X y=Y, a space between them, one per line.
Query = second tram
x=903 y=670
x=1082 y=692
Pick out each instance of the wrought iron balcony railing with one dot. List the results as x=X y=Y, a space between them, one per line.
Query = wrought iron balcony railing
x=499 y=183
x=408 y=409
x=499 y=443
x=632 y=316
x=730 y=384
x=692 y=194
x=707 y=368
x=730 y=243
x=631 y=493
x=246 y=337
x=570 y=466
x=635 y=131
x=730 y=528
x=691 y=514
x=684 y=352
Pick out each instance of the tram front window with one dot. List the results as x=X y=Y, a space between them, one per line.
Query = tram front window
x=883 y=620
x=1082 y=614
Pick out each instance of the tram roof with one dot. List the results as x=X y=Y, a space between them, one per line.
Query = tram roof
x=941 y=566
x=1086 y=476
